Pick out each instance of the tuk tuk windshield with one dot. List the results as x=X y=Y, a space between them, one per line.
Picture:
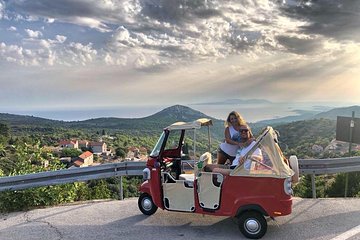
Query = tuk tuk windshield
x=265 y=159
x=156 y=150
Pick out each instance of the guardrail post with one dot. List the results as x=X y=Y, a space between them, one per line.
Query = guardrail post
x=121 y=190
x=313 y=187
x=352 y=125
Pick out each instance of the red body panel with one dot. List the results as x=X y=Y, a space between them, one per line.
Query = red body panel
x=153 y=187
x=237 y=192
x=268 y=193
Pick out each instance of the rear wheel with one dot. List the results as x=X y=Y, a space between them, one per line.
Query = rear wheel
x=252 y=224
x=146 y=204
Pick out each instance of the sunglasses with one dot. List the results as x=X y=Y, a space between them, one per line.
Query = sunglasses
x=244 y=130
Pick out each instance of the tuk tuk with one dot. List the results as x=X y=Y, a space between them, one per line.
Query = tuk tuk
x=248 y=193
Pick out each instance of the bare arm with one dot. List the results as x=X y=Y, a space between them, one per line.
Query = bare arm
x=228 y=137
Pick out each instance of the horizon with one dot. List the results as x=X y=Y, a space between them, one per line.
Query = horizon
x=209 y=110
x=88 y=53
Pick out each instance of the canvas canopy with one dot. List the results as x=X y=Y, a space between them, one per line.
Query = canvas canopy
x=272 y=162
x=197 y=124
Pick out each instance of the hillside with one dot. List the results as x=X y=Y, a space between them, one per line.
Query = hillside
x=147 y=125
x=158 y=120
x=14 y=119
x=308 y=115
x=333 y=113
x=176 y=113
x=153 y=124
x=308 y=131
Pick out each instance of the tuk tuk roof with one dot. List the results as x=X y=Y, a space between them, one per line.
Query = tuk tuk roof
x=190 y=125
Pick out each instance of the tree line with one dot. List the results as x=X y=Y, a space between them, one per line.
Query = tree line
x=23 y=152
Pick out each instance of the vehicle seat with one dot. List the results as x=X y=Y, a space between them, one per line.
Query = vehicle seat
x=203 y=160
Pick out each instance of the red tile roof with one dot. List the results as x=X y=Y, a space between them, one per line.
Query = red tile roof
x=78 y=163
x=85 y=154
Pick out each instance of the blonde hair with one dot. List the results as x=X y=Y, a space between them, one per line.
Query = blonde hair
x=240 y=119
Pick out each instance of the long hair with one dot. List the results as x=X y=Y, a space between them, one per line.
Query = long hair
x=240 y=119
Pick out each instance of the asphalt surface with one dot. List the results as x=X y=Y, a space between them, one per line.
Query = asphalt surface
x=336 y=219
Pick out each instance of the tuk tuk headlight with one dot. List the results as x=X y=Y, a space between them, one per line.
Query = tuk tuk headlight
x=287 y=186
x=146 y=174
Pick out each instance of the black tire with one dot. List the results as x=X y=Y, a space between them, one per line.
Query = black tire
x=252 y=224
x=146 y=204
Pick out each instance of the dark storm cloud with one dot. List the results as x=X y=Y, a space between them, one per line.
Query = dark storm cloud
x=300 y=46
x=176 y=11
x=92 y=13
x=338 y=19
x=53 y=9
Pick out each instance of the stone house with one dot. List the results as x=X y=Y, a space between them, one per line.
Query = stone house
x=84 y=160
x=69 y=144
x=98 y=147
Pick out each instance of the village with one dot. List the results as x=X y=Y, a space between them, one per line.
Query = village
x=97 y=152
x=94 y=153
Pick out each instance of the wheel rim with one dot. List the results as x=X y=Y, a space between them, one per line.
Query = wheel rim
x=146 y=204
x=252 y=226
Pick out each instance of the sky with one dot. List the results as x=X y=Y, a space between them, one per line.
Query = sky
x=84 y=54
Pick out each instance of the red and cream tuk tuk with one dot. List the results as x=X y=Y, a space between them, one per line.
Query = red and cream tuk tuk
x=249 y=194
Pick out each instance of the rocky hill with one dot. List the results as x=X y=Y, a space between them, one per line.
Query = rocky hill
x=148 y=125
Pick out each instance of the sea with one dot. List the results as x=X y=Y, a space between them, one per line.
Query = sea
x=251 y=112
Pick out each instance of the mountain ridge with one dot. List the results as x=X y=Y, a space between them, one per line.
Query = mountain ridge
x=152 y=123
x=344 y=111
x=166 y=116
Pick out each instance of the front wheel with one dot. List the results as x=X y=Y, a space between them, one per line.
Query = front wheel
x=146 y=204
x=252 y=224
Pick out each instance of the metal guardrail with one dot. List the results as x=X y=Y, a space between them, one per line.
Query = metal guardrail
x=71 y=175
x=306 y=166
x=329 y=165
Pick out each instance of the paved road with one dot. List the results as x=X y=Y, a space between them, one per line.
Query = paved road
x=336 y=219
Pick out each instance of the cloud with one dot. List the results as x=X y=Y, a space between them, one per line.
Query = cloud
x=33 y=34
x=2 y=9
x=60 y=38
x=50 y=20
x=160 y=35
x=89 y=13
x=300 y=45
x=12 y=29
x=336 y=18
x=88 y=22
x=81 y=54
x=177 y=31
x=12 y=53
x=177 y=11
x=43 y=52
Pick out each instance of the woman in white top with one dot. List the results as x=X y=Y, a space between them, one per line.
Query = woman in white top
x=228 y=148
x=246 y=144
